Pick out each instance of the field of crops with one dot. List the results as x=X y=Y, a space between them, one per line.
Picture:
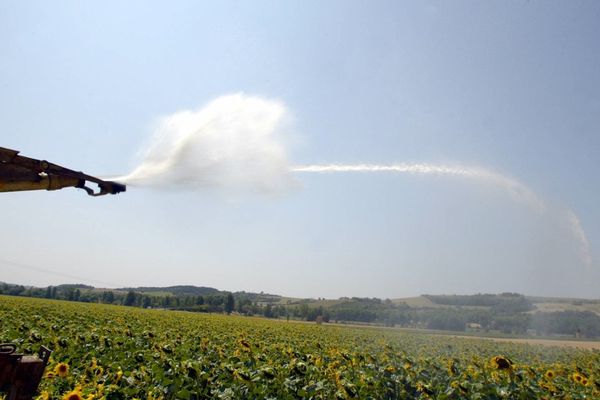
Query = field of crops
x=111 y=352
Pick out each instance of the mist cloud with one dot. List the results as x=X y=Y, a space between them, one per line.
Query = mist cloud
x=234 y=142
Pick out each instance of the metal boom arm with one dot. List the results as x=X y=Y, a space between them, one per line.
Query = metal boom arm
x=23 y=173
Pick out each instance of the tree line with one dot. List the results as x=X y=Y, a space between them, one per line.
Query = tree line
x=507 y=312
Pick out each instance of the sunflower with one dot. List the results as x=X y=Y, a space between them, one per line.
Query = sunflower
x=547 y=386
x=584 y=381
x=452 y=368
x=62 y=370
x=577 y=377
x=421 y=387
x=550 y=374
x=74 y=395
x=457 y=385
x=500 y=362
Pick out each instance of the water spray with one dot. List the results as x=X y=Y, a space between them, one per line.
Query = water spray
x=517 y=190
x=238 y=142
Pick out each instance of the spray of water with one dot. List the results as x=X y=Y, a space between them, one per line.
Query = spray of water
x=234 y=142
x=517 y=190
x=238 y=142
x=579 y=234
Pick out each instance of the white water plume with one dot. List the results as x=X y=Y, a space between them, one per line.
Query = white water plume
x=238 y=142
x=517 y=190
x=234 y=142
x=579 y=234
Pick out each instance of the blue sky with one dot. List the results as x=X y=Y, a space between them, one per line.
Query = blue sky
x=509 y=86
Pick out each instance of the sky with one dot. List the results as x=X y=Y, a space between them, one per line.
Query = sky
x=511 y=87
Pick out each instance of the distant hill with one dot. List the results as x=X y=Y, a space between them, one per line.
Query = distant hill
x=181 y=290
x=488 y=301
x=190 y=290
x=75 y=286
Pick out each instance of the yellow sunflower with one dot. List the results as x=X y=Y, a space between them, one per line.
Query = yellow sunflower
x=452 y=368
x=577 y=377
x=584 y=380
x=500 y=362
x=74 y=395
x=550 y=374
x=44 y=396
x=61 y=370
x=390 y=369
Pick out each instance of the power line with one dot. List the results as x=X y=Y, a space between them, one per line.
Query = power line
x=56 y=273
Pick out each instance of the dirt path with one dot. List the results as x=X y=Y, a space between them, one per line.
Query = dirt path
x=588 y=345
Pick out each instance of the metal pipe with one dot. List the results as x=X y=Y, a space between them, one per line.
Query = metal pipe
x=46 y=182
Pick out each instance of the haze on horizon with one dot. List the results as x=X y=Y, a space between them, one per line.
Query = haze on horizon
x=512 y=89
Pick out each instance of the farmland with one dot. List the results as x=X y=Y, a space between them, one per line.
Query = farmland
x=113 y=352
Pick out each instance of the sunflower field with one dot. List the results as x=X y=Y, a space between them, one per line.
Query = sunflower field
x=114 y=352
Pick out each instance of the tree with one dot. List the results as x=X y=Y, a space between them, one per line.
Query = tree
x=269 y=311
x=108 y=297
x=146 y=301
x=229 y=303
x=129 y=299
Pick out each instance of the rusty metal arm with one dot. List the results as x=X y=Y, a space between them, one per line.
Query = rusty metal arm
x=23 y=173
x=20 y=375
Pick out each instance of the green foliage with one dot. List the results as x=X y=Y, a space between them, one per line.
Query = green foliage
x=583 y=323
x=508 y=303
x=129 y=299
x=183 y=290
x=229 y=303
x=115 y=352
